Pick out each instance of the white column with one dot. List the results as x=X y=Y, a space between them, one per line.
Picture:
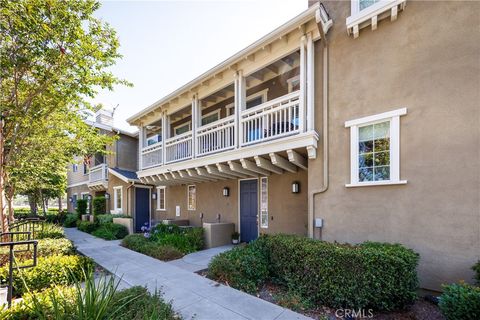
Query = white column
x=241 y=103
x=237 y=119
x=141 y=139
x=164 y=136
x=195 y=116
x=310 y=84
x=302 y=84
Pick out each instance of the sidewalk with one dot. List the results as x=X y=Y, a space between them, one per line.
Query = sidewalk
x=192 y=296
x=199 y=260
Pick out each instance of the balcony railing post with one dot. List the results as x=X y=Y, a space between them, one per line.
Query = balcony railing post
x=164 y=137
x=237 y=114
x=310 y=84
x=302 y=84
x=240 y=106
x=140 y=146
x=195 y=116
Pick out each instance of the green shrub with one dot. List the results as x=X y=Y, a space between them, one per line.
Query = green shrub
x=99 y=205
x=45 y=248
x=460 y=301
x=186 y=240
x=49 y=271
x=244 y=268
x=86 y=226
x=140 y=244
x=476 y=269
x=136 y=303
x=371 y=275
x=49 y=230
x=111 y=231
x=82 y=206
x=70 y=220
x=122 y=216
x=104 y=218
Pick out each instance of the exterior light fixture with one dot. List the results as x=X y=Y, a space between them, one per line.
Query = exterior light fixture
x=154 y=196
x=89 y=197
x=107 y=196
x=295 y=187
x=226 y=192
x=70 y=199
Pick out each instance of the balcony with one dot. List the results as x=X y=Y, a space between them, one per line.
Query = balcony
x=267 y=127
x=98 y=177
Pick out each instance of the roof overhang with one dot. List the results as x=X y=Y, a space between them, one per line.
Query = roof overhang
x=308 y=21
x=122 y=177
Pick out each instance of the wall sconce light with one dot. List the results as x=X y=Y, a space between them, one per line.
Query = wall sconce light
x=107 y=196
x=154 y=196
x=89 y=197
x=70 y=199
x=226 y=192
x=295 y=187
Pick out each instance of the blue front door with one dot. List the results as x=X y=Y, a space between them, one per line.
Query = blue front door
x=142 y=208
x=248 y=210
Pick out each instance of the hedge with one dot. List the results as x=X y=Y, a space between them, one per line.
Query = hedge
x=70 y=220
x=460 y=301
x=139 y=243
x=110 y=231
x=186 y=240
x=86 y=226
x=49 y=231
x=104 y=218
x=381 y=276
x=82 y=206
x=49 y=271
x=476 y=269
x=99 y=205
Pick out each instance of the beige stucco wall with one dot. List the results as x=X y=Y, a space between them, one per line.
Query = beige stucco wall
x=426 y=61
x=289 y=211
x=127 y=202
x=78 y=190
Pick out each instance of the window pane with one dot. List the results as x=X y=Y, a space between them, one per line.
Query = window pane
x=365 y=146
x=367 y=3
x=365 y=174
x=382 y=158
x=365 y=133
x=264 y=202
x=182 y=129
x=191 y=198
x=209 y=119
x=118 y=199
x=374 y=152
x=254 y=102
x=381 y=130
x=365 y=160
x=382 y=173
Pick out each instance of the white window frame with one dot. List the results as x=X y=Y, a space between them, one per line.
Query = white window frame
x=264 y=93
x=262 y=225
x=290 y=82
x=164 y=188
x=88 y=202
x=189 y=123
x=74 y=167
x=209 y=114
x=194 y=207
x=117 y=210
x=76 y=199
x=394 y=118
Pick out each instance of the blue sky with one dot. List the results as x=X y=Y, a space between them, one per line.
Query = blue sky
x=168 y=43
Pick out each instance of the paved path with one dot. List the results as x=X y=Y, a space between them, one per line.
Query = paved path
x=199 y=260
x=192 y=296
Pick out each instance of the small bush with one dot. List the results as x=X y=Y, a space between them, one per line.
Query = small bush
x=136 y=303
x=244 y=268
x=104 y=218
x=140 y=244
x=476 y=269
x=49 y=231
x=110 y=231
x=86 y=226
x=186 y=240
x=49 y=271
x=82 y=206
x=460 y=301
x=57 y=217
x=70 y=220
x=99 y=205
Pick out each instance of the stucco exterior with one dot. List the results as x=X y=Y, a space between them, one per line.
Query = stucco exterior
x=428 y=62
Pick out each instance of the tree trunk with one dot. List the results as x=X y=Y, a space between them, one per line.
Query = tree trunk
x=60 y=204
x=43 y=202
x=10 y=195
x=3 y=182
x=32 y=201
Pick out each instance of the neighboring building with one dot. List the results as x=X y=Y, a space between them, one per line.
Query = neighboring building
x=112 y=175
x=328 y=129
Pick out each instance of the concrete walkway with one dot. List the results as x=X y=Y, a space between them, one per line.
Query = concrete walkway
x=199 y=260
x=192 y=295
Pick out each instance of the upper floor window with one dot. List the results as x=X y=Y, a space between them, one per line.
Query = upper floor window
x=375 y=149
x=161 y=192
x=293 y=84
x=191 y=197
x=85 y=168
x=154 y=139
x=182 y=128
x=74 y=167
x=210 y=117
x=85 y=196
x=362 y=4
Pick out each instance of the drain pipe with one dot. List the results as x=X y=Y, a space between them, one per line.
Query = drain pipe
x=324 y=187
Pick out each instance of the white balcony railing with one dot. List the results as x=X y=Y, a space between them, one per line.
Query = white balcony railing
x=271 y=120
x=98 y=173
x=179 y=147
x=216 y=136
x=152 y=155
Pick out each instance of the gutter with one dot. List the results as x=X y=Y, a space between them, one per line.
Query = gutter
x=313 y=193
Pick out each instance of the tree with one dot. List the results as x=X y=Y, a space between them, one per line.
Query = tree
x=54 y=56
